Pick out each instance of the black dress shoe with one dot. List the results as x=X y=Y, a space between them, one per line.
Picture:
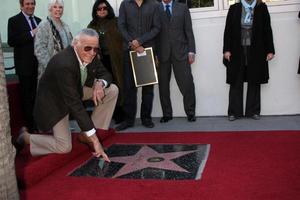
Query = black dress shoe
x=118 y=120
x=191 y=118
x=124 y=125
x=255 y=117
x=231 y=118
x=20 y=141
x=148 y=123
x=165 y=119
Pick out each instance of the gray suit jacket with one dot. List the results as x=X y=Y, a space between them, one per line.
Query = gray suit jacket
x=60 y=90
x=176 y=37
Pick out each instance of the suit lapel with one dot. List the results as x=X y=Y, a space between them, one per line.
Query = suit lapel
x=174 y=10
x=25 y=22
x=76 y=66
x=37 y=20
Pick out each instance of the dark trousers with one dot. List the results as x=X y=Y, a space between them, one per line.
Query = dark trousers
x=28 y=86
x=118 y=112
x=236 y=92
x=184 y=79
x=130 y=93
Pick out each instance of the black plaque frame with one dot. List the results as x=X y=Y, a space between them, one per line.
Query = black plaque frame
x=143 y=67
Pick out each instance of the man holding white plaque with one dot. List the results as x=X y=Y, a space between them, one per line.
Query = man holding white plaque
x=139 y=24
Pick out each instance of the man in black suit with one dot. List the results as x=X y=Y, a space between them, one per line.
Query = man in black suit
x=139 y=25
x=176 y=50
x=21 y=31
x=72 y=75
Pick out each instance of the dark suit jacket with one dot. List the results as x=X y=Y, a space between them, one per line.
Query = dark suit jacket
x=20 y=38
x=60 y=90
x=261 y=44
x=141 y=23
x=176 y=37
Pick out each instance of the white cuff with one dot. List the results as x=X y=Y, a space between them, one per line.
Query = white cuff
x=90 y=132
x=104 y=82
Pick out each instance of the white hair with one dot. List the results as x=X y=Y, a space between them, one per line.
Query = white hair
x=52 y=2
x=85 y=32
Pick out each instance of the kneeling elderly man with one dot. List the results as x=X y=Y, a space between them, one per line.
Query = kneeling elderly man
x=72 y=75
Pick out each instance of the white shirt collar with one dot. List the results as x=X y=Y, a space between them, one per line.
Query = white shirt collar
x=81 y=64
x=27 y=16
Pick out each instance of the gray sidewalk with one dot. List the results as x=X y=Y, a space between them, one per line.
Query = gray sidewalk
x=218 y=123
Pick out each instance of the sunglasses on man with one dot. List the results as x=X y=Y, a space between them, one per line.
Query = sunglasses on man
x=89 y=48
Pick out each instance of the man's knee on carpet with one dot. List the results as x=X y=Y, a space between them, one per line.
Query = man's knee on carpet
x=63 y=147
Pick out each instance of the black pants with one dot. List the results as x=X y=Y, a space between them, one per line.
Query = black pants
x=118 y=112
x=28 y=86
x=130 y=93
x=184 y=78
x=236 y=92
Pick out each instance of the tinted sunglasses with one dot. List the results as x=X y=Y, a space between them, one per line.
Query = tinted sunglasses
x=102 y=8
x=89 y=48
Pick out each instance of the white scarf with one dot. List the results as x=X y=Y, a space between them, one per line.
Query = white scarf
x=248 y=8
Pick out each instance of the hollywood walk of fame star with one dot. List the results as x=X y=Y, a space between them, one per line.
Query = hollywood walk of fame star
x=146 y=157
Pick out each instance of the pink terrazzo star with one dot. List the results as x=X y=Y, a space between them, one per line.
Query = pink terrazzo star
x=147 y=157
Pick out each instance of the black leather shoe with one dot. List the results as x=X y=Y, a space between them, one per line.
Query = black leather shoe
x=191 y=118
x=255 y=117
x=165 y=119
x=148 y=123
x=20 y=141
x=124 y=125
x=231 y=118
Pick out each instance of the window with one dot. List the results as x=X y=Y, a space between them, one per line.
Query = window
x=271 y=2
x=198 y=3
x=202 y=3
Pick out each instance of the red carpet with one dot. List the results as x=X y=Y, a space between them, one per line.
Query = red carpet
x=241 y=166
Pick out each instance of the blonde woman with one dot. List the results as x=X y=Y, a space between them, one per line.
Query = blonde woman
x=52 y=35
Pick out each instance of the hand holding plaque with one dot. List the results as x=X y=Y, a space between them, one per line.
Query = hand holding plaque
x=143 y=67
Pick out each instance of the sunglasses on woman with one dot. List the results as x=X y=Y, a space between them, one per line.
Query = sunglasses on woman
x=102 y=8
x=89 y=48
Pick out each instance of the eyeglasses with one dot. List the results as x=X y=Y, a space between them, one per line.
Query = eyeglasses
x=89 y=48
x=102 y=8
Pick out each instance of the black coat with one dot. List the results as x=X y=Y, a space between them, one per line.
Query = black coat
x=20 y=38
x=261 y=44
x=60 y=90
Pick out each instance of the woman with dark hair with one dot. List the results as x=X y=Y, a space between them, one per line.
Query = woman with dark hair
x=110 y=40
x=248 y=46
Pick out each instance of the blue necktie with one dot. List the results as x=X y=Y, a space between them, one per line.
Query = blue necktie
x=33 y=26
x=168 y=11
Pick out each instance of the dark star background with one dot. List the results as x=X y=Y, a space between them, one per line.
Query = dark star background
x=148 y=161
